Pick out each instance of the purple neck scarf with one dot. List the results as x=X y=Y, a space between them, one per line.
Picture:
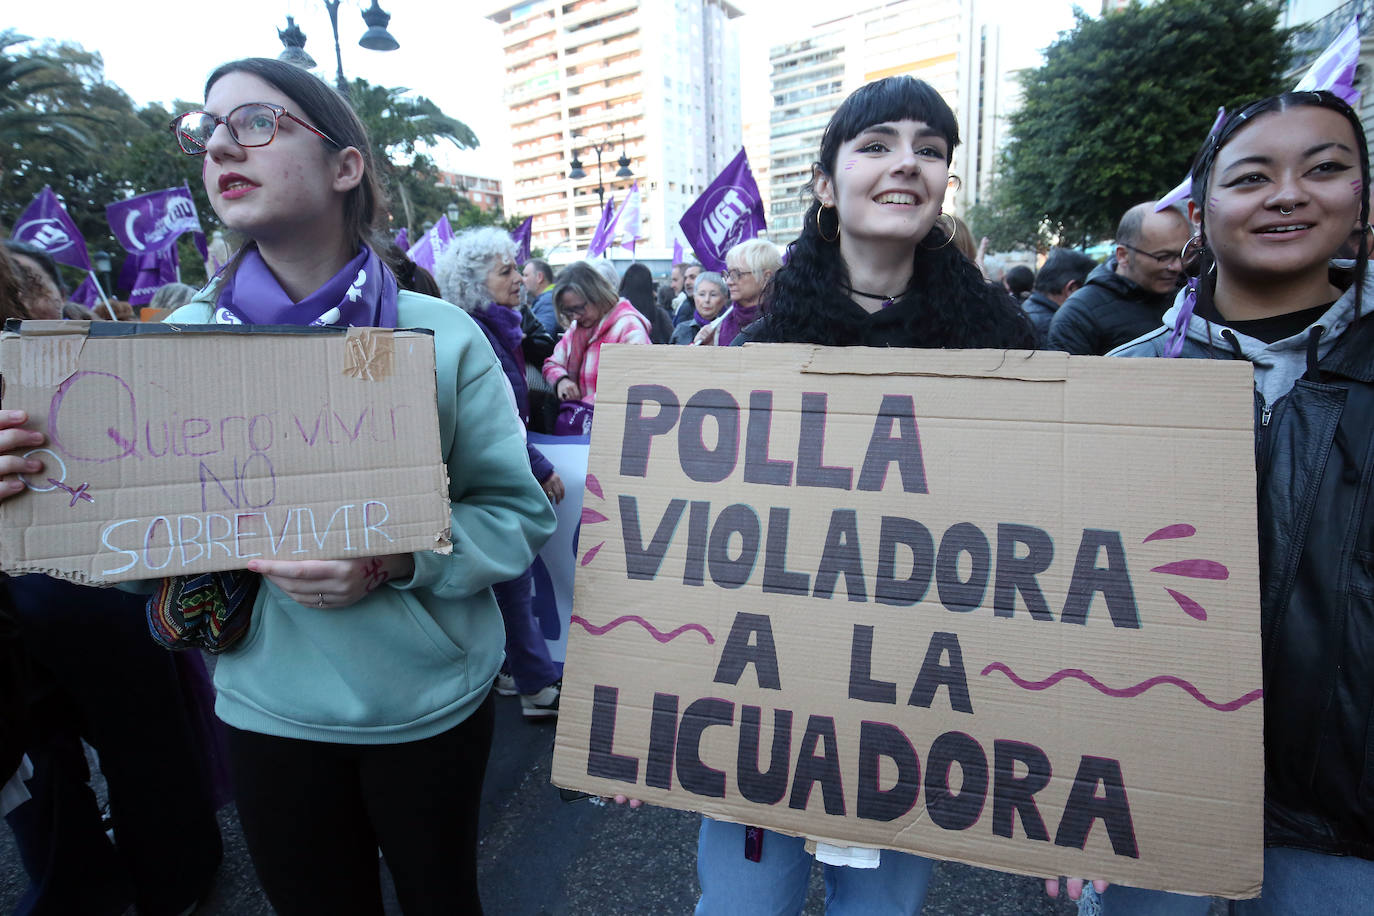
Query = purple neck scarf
x=738 y=319
x=506 y=323
x=701 y=319
x=361 y=295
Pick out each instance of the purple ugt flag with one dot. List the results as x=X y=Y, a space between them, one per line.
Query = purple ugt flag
x=728 y=212
x=153 y=221
x=521 y=238
x=402 y=239
x=605 y=229
x=677 y=252
x=44 y=224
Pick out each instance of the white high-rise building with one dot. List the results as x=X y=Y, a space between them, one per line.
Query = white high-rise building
x=655 y=81
x=812 y=74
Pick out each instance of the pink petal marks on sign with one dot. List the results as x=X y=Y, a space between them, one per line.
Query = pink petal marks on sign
x=591 y=516
x=1190 y=607
x=1170 y=532
x=1125 y=692
x=594 y=486
x=1195 y=569
x=650 y=628
x=591 y=554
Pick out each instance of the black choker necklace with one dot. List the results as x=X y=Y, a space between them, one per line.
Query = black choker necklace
x=886 y=300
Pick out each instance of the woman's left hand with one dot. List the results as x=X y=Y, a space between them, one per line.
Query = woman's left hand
x=706 y=336
x=553 y=488
x=333 y=583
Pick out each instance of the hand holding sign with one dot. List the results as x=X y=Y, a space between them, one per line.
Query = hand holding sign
x=13 y=462
x=333 y=583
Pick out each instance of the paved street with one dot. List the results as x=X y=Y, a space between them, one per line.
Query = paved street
x=541 y=855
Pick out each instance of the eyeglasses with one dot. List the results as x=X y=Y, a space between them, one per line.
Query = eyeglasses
x=253 y=124
x=573 y=311
x=736 y=274
x=1162 y=259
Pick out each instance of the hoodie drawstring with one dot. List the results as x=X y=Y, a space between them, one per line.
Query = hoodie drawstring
x=1314 y=336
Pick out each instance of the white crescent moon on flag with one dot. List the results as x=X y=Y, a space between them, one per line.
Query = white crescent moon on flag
x=129 y=229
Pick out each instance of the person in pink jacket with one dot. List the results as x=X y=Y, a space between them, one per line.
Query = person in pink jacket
x=598 y=316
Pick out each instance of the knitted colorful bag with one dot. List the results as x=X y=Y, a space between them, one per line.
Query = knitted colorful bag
x=210 y=611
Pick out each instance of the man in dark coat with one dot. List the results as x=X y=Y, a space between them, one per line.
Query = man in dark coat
x=1062 y=275
x=1127 y=296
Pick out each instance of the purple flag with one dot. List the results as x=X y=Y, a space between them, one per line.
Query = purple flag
x=143 y=274
x=521 y=238
x=87 y=294
x=402 y=239
x=605 y=227
x=1334 y=70
x=153 y=221
x=627 y=219
x=677 y=252
x=431 y=244
x=44 y=224
x=728 y=212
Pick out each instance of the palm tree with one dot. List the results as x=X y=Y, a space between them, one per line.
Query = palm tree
x=30 y=84
x=397 y=124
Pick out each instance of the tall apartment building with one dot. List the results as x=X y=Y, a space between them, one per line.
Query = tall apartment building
x=482 y=191
x=654 y=80
x=811 y=75
x=991 y=91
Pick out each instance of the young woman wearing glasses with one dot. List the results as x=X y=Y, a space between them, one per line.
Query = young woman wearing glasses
x=357 y=701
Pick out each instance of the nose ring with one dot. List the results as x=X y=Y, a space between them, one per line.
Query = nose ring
x=1288 y=212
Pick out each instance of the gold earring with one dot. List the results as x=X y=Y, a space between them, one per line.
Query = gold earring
x=821 y=231
x=949 y=233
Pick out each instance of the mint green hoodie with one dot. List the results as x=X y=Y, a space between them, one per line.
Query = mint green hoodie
x=416 y=657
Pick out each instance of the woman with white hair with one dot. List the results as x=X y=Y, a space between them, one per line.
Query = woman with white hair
x=477 y=273
x=749 y=268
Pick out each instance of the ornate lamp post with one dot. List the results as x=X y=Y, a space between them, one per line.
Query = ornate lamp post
x=605 y=145
x=376 y=38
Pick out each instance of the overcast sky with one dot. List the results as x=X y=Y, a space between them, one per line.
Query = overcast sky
x=162 y=50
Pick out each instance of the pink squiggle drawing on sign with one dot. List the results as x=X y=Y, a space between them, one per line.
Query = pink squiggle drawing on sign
x=594 y=486
x=1170 y=532
x=1120 y=692
x=1195 y=569
x=1190 y=607
x=657 y=634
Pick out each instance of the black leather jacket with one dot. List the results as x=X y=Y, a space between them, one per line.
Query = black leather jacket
x=1110 y=310
x=1314 y=449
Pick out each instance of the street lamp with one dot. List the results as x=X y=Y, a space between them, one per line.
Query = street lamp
x=605 y=145
x=376 y=38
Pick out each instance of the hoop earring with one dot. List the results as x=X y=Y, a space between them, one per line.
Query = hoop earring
x=949 y=233
x=1191 y=254
x=821 y=231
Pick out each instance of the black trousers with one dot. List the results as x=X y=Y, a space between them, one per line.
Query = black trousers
x=98 y=675
x=314 y=815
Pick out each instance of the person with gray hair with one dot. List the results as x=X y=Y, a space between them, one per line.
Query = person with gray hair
x=710 y=296
x=171 y=296
x=477 y=273
x=1125 y=297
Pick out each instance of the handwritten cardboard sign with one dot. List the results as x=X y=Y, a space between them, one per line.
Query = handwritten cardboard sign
x=997 y=607
x=178 y=450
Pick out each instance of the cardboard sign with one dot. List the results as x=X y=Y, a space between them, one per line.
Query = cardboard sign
x=998 y=607
x=176 y=450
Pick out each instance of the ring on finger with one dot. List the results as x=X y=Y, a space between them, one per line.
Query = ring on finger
x=319 y=600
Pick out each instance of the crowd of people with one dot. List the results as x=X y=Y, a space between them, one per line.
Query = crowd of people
x=354 y=703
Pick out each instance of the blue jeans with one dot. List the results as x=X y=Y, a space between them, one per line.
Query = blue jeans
x=1296 y=882
x=776 y=884
x=527 y=654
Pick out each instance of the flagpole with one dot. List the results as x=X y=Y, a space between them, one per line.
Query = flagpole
x=103 y=298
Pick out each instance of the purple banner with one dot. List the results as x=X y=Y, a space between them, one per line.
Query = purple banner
x=44 y=224
x=431 y=244
x=728 y=212
x=143 y=274
x=521 y=238
x=605 y=228
x=153 y=221
x=87 y=294
x=677 y=252
x=402 y=239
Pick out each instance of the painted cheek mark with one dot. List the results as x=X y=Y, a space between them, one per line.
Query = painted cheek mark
x=849 y=166
x=1357 y=186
